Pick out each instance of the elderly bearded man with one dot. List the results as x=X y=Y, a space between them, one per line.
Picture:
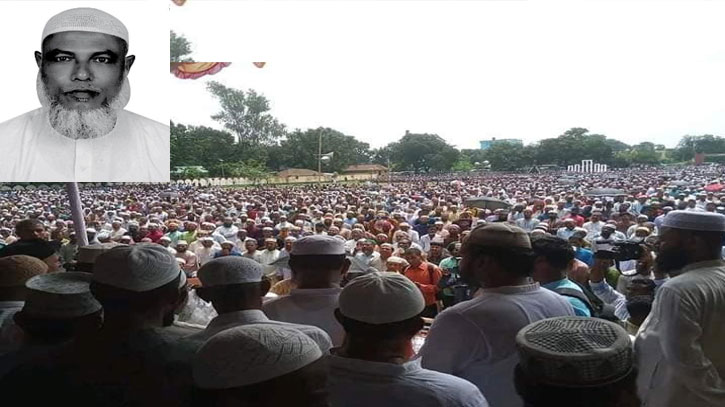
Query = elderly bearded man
x=82 y=132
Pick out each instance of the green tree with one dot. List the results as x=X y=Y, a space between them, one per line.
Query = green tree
x=201 y=145
x=300 y=149
x=180 y=48
x=574 y=145
x=247 y=115
x=689 y=145
x=422 y=153
x=510 y=157
x=462 y=165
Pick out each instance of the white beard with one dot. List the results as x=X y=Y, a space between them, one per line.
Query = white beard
x=77 y=124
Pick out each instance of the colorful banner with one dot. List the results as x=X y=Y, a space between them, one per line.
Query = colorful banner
x=195 y=70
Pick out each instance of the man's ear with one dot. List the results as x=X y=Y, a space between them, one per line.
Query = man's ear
x=264 y=286
x=38 y=58
x=129 y=61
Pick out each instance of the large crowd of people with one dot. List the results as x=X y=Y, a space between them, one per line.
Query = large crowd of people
x=495 y=289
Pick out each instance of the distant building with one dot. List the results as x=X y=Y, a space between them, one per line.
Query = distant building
x=371 y=169
x=486 y=144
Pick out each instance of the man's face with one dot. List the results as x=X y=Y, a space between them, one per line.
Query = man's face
x=672 y=254
x=368 y=248
x=35 y=232
x=250 y=245
x=83 y=70
x=436 y=250
x=270 y=245
x=413 y=259
x=386 y=251
x=181 y=248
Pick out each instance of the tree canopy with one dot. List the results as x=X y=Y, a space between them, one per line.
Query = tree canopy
x=180 y=48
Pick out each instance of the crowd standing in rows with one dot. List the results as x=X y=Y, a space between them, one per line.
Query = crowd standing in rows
x=392 y=294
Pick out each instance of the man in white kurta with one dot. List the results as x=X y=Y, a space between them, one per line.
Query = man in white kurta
x=680 y=347
x=475 y=340
x=137 y=149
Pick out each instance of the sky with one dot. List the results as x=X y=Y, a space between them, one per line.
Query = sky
x=632 y=70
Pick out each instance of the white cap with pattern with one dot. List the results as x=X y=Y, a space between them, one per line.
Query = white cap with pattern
x=85 y=19
x=141 y=267
x=250 y=354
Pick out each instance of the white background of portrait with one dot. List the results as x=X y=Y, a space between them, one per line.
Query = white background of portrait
x=147 y=21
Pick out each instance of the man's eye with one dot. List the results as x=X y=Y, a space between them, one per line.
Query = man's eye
x=61 y=58
x=102 y=60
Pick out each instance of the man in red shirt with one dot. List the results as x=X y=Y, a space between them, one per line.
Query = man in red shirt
x=425 y=276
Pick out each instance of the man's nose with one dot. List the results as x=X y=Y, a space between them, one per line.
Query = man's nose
x=81 y=72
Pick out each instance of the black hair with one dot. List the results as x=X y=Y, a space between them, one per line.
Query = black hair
x=412 y=251
x=316 y=262
x=639 y=306
x=621 y=393
x=122 y=301
x=557 y=252
x=380 y=332
x=28 y=224
x=306 y=386
x=517 y=261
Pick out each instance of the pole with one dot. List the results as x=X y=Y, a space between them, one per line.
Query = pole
x=319 y=157
x=76 y=209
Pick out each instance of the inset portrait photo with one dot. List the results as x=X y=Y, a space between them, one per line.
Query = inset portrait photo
x=85 y=88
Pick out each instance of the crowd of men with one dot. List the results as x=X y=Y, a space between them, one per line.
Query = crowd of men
x=403 y=293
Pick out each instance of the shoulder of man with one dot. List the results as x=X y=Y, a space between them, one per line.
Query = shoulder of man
x=147 y=124
x=17 y=123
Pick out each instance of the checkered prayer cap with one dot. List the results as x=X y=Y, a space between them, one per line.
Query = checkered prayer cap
x=574 y=351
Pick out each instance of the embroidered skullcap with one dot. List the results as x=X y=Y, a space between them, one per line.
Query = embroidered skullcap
x=499 y=235
x=16 y=270
x=230 y=270
x=85 y=19
x=60 y=295
x=700 y=221
x=89 y=254
x=381 y=298
x=141 y=267
x=250 y=354
x=575 y=351
x=318 y=245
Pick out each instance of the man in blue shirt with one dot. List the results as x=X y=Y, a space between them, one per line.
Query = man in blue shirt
x=553 y=258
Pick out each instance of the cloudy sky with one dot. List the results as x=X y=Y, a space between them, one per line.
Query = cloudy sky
x=471 y=70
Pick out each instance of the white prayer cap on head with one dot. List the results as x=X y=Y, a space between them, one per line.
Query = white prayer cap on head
x=230 y=243
x=182 y=242
x=250 y=354
x=700 y=221
x=60 y=295
x=141 y=267
x=290 y=239
x=209 y=238
x=270 y=239
x=165 y=238
x=230 y=270
x=85 y=19
x=318 y=245
x=381 y=298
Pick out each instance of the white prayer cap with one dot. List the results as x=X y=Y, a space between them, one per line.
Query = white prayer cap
x=85 y=19
x=381 y=298
x=270 y=239
x=250 y=354
x=141 y=267
x=182 y=242
x=318 y=245
x=60 y=295
x=230 y=270
x=209 y=238
x=700 y=221
x=165 y=238
x=290 y=239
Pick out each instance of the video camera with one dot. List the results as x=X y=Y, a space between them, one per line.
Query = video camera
x=619 y=251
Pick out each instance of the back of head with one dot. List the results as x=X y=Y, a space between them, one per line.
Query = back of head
x=584 y=361
x=232 y=283
x=318 y=260
x=58 y=306
x=248 y=365
x=508 y=246
x=557 y=252
x=380 y=306
x=16 y=270
x=136 y=278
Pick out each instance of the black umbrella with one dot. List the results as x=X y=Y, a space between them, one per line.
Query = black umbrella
x=485 y=202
